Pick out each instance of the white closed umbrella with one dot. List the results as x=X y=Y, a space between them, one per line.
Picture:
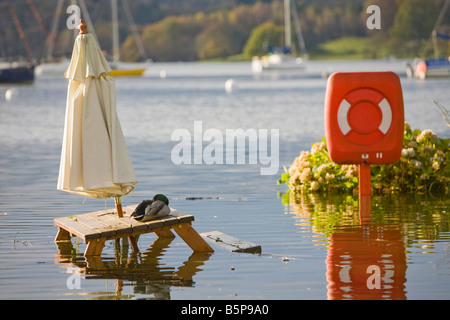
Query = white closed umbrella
x=94 y=160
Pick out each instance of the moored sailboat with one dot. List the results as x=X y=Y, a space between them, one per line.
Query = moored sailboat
x=283 y=59
x=17 y=72
x=118 y=67
x=438 y=66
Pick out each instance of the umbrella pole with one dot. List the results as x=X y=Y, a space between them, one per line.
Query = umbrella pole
x=131 y=239
x=118 y=207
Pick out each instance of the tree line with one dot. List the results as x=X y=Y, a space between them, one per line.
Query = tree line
x=190 y=30
x=247 y=29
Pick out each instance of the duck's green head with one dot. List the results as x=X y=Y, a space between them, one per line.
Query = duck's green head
x=162 y=198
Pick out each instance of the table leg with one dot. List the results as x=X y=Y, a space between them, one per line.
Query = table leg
x=62 y=235
x=94 y=247
x=191 y=237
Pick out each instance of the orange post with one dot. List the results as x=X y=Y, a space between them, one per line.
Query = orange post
x=365 y=203
x=364 y=179
x=364 y=193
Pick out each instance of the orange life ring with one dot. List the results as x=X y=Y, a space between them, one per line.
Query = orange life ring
x=364 y=117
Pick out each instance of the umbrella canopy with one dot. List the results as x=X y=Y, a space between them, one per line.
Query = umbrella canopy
x=94 y=160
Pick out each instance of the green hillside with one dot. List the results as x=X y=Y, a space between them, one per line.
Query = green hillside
x=189 y=30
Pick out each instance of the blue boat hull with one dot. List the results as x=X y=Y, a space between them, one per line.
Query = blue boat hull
x=17 y=75
x=433 y=68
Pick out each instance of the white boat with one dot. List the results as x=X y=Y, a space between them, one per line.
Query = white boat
x=283 y=59
x=277 y=61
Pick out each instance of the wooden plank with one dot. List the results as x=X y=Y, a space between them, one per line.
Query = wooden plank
x=72 y=226
x=88 y=221
x=118 y=225
x=121 y=226
x=135 y=225
x=111 y=220
x=183 y=217
x=169 y=220
x=153 y=224
x=231 y=243
x=191 y=237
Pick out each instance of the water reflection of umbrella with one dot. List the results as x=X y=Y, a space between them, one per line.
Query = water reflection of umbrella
x=94 y=159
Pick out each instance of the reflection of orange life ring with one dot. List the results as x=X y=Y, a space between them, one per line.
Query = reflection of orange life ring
x=364 y=116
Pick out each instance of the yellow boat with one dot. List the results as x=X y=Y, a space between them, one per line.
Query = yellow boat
x=127 y=72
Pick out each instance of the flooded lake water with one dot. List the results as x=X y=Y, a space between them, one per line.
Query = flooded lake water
x=312 y=247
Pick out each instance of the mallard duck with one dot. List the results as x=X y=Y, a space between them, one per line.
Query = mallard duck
x=152 y=209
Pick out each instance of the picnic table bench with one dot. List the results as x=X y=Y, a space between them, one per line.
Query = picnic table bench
x=95 y=228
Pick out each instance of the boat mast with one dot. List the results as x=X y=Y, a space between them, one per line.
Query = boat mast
x=287 y=24
x=37 y=16
x=298 y=31
x=115 y=31
x=20 y=31
x=438 y=22
x=134 y=30
x=51 y=38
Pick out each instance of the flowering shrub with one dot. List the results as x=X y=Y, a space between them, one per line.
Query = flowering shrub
x=422 y=168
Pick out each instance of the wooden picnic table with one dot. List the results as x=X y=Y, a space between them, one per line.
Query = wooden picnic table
x=95 y=228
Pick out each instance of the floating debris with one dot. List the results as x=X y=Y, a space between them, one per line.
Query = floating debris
x=201 y=198
x=231 y=243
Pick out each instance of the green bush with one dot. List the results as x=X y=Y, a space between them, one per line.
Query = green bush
x=423 y=167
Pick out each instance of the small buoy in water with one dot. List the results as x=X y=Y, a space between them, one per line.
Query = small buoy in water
x=163 y=74
x=10 y=94
x=230 y=85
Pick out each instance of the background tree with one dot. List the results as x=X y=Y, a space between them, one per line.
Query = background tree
x=174 y=30
x=219 y=40
x=266 y=34
x=414 y=20
x=172 y=39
